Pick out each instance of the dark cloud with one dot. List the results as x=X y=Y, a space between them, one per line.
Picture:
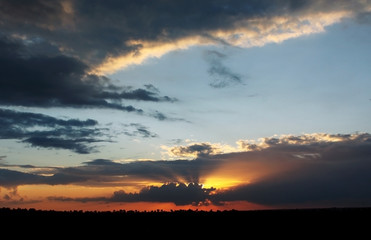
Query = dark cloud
x=138 y=130
x=44 y=131
x=364 y=18
x=6 y=165
x=103 y=171
x=162 y=171
x=8 y=118
x=197 y=149
x=12 y=179
x=102 y=162
x=60 y=81
x=38 y=12
x=105 y=27
x=150 y=93
x=177 y=193
x=94 y=30
x=221 y=74
x=334 y=169
x=76 y=145
x=341 y=183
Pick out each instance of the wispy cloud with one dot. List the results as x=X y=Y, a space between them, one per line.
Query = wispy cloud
x=45 y=131
x=139 y=130
x=222 y=75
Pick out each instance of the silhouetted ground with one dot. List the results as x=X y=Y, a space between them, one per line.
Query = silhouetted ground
x=253 y=215
x=299 y=223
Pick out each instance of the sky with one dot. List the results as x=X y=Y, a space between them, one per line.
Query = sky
x=183 y=104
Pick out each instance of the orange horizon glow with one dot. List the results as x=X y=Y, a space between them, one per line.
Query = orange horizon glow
x=36 y=197
x=136 y=206
x=235 y=172
x=225 y=177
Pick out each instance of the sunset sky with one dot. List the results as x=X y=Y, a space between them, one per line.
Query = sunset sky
x=185 y=104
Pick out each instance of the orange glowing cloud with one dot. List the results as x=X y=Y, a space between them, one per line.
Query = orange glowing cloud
x=246 y=33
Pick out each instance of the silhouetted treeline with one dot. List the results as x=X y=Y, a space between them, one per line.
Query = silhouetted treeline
x=190 y=223
x=318 y=212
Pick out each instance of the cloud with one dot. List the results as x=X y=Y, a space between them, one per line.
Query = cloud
x=55 y=80
x=282 y=155
x=305 y=169
x=178 y=193
x=107 y=172
x=13 y=195
x=45 y=131
x=317 y=183
x=364 y=18
x=314 y=168
x=139 y=130
x=194 y=150
x=245 y=33
x=162 y=117
x=10 y=178
x=221 y=74
x=157 y=171
x=76 y=145
x=301 y=140
x=110 y=35
x=198 y=149
x=40 y=13
x=9 y=118
x=150 y=93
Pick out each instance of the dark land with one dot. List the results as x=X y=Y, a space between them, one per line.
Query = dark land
x=318 y=214
x=352 y=223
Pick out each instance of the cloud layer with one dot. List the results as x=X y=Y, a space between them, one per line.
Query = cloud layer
x=291 y=170
x=114 y=34
x=60 y=81
x=222 y=76
x=44 y=131
x=177 y=193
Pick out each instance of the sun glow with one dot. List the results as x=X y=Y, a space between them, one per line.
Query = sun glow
x=221 y=182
